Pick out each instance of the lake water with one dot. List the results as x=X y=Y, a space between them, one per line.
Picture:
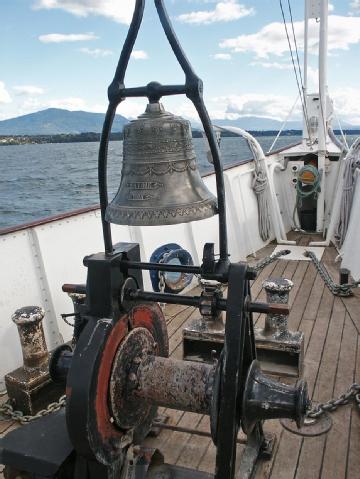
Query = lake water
x=42 y=180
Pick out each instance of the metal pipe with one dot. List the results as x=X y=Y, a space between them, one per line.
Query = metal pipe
x=195 y=301
x=306 y=133
x=323 y=50
x=177 y=268
x=187 y=430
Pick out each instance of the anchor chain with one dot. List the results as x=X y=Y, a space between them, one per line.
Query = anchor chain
x=336 y=289
x=8 y=412
x=162 y=283
x=352 y=394
x=269 y=259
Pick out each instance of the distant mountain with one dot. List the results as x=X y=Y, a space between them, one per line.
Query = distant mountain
x=255 y=123
x=55 y=121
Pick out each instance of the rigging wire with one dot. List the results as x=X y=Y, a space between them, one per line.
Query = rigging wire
x=300 y=88
x=298 y=60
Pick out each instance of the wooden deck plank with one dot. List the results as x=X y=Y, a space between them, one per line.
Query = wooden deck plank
x=317 y=340
x=196 y=447
x=313 y=303
x=175 y=444
x=286 y=462
x=335 y=455
x=311 y=454
x=353 y=463
x=301 y=300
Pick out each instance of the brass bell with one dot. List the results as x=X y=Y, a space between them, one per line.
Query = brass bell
x=160 y=182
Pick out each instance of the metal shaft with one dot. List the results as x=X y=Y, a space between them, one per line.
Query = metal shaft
x=176 y=384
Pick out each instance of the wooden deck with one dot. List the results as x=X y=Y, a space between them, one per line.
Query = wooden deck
x=332 y=363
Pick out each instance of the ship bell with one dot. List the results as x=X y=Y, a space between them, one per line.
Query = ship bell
x=160 y=182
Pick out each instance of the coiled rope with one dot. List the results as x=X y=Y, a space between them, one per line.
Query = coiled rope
x=302 y=183
x=352 y=162
x=260 y=183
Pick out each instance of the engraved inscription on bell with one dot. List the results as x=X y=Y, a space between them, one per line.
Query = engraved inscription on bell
x=160 y=182
x=145 y=185
x=139 y=197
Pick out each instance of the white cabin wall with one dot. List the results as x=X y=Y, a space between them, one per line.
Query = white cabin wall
x=331 y=181
x=19 y=287
x=286 y=193
x=36 y=262
x=350 y=250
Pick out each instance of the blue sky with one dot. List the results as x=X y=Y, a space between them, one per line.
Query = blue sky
x=63 y=53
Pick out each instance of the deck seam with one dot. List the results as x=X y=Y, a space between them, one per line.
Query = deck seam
x=351 y=415
x=334 y=384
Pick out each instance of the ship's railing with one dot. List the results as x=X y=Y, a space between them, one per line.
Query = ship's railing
x=37 y=258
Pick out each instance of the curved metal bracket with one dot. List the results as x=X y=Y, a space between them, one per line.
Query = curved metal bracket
x=193 y=89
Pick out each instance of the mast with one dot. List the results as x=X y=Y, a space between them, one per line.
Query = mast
x=306 y=133
x=322 y=130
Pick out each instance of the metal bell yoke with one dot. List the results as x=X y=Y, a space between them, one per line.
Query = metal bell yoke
x=160 y=182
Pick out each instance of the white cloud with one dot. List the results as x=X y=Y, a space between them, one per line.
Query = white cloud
x=139 y=55
x=70 y=103
x=232 y=107
x=347 y=104
x=225 y=11
x=28 y=90
x=271 y=39
x=258 y=104
x=132 y=108
x=4 y=94
x=67 y=37
x=355 y=5
x=222 y=56
x=118 y=10
x=96 y=52
x=313 y=78
x=276 y=65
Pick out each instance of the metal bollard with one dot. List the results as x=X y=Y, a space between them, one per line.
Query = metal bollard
x=277 y=291
x=29 y=323
x=280 y=351
x=29 y=387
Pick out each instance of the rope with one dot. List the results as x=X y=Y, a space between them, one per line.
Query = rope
x=260 y=184
x=283 y=125
x=352 y=162
x=315 y=184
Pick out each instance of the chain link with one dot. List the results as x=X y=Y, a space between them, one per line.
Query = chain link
x=352 y=394
x=162 y=283
x=8 y=412
x=336 y=289
x=269 y=259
